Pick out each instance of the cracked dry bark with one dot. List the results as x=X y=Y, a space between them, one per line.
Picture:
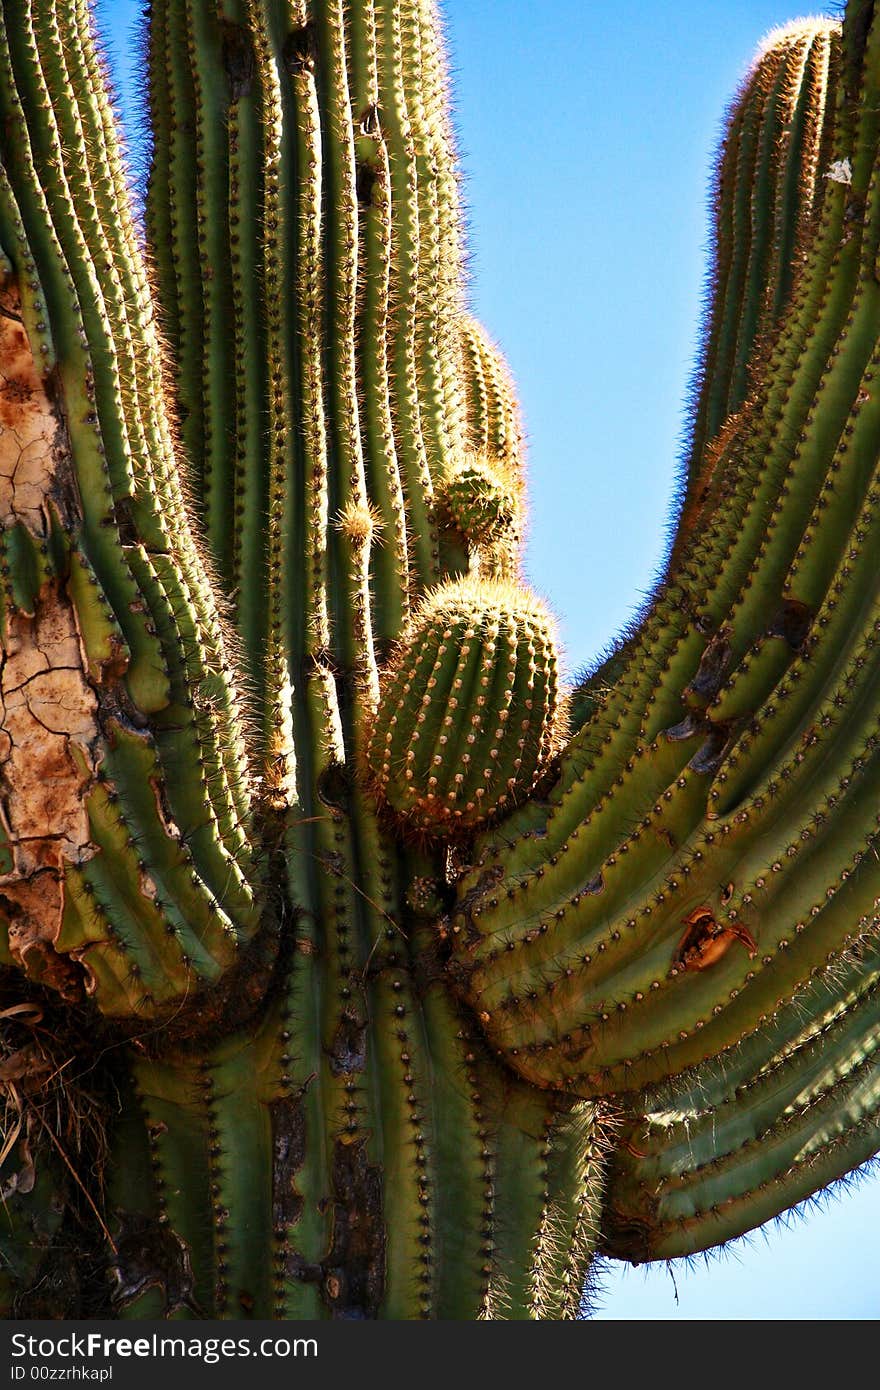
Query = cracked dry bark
x=48 y=707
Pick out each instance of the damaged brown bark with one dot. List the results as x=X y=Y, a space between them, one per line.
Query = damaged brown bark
x=48 y=711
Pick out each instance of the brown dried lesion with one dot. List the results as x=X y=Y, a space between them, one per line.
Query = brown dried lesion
x=706 y=940
x=15 y=391
x=48 y=733
x=48 y=710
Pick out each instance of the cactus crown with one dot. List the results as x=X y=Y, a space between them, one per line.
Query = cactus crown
x=466 y=710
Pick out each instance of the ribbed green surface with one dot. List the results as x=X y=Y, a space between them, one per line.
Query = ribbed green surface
x=480 y=502
x=467 y=709
x=577 y=960
x=767 y=197
x=769 y=189
x=776 y=1117
x=368 y=1059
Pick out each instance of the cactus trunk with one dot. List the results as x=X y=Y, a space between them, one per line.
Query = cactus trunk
x=376 y=941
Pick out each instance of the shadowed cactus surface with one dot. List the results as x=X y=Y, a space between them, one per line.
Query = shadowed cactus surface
x=384 y=981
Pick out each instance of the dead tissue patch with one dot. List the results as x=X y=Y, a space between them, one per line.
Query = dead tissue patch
x=48 y=711
x=30 y=433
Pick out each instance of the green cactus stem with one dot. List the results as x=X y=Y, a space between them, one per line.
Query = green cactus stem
x=493 y=422
x=769 y=189
x=753 y=1135
x=743 y=815
x=95 y=494
x=396 y=997
x=479 y=501
x=767 y=196
x=467 y=707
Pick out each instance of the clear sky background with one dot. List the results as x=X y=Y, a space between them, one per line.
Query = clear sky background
x=587 y=133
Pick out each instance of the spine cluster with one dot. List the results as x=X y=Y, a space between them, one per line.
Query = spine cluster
x=466 y=710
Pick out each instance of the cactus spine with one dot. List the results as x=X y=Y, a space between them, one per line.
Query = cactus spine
x=391 y=972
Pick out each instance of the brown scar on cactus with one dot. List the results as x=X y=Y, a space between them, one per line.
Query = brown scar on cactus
x=48 y=710
x=706 y=940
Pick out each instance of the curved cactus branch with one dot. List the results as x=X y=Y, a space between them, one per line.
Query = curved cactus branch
x=779 y=1117
x=767 y=196
x=738 y=741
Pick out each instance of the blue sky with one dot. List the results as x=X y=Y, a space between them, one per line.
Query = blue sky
x=587 y=134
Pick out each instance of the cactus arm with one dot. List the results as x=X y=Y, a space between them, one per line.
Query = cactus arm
x=467 y=708
x=763 y=204
x=495 y=448
x=569 y=956
x=807 y=155
x=757 y=164
x=768 y=193
x=797 y=1108
x=781 y=125
x=108 y=230
x=492 y=417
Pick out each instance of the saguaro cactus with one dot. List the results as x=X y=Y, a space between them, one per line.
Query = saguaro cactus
x=349 y=971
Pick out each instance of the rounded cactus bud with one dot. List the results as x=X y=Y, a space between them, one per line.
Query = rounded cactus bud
x=466 y=707
x=479 y=500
